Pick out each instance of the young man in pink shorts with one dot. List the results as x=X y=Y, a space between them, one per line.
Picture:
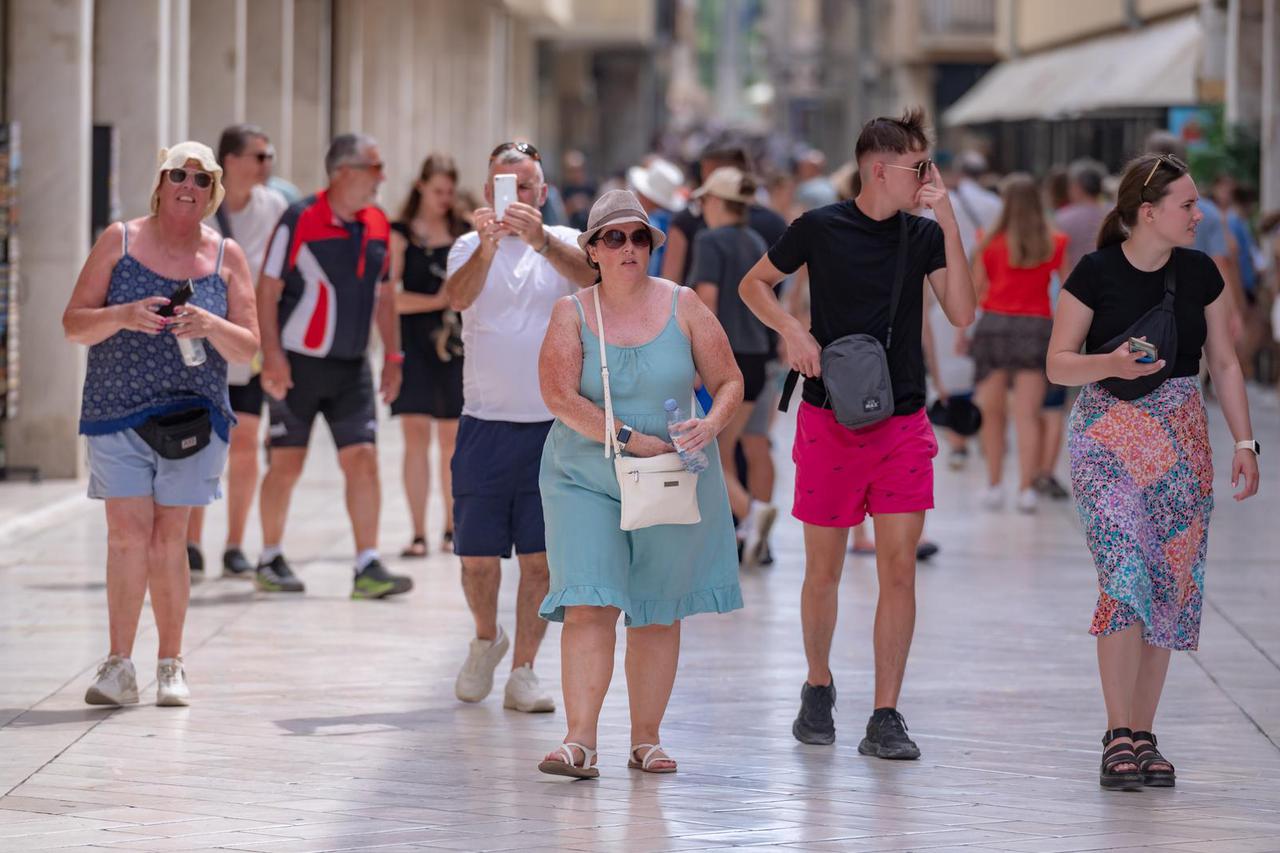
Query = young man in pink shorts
x=885 y=470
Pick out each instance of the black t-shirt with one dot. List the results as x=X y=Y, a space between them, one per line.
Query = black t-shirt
x=852 y=259
x=424 y=272
x=761 y=220
x=1118 y=294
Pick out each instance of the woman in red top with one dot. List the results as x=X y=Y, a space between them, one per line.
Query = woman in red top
x=1012 y=271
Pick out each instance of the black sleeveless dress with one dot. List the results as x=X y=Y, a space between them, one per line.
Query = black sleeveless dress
x=432 y=385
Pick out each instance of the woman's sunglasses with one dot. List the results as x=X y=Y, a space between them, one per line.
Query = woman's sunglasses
x=203 y=180
x=523 y=147
x=923 y=169
x=616 y=239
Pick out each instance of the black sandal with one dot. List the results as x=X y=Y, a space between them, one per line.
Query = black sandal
x=1148 y=755
x=1117 y=756
x=417 y=548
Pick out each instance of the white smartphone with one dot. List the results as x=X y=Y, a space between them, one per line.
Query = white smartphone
x=504 y=193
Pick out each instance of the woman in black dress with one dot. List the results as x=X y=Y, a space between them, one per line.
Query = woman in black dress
x=431 y=337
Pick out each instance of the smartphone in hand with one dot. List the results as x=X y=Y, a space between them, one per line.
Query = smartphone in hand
x=1148 y=350
x=504 y=193
x=180 y=297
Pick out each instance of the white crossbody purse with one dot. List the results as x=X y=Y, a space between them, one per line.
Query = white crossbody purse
x=655 y=490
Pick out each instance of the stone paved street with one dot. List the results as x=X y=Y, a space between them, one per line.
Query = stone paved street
x=320 y=723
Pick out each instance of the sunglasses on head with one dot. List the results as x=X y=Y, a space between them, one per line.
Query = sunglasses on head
x=1165 y=160
x=203 y=180
x=615 y=238
x=523 y=147
x=923 y=169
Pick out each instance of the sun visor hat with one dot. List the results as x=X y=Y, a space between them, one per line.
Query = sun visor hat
x=176 y=158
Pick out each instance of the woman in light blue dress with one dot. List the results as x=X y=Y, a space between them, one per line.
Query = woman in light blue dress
x=658 y=336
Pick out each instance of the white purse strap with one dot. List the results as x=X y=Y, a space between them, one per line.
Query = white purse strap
x=610 y=430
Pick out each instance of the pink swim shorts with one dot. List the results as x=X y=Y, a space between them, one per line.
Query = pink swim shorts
x=843 y=474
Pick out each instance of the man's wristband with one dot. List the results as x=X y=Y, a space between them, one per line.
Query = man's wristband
x=394 y=358
x=546 y=243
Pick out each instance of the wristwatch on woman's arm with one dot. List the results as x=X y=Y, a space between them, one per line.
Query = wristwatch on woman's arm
x=623 y=436
x=1249 y=444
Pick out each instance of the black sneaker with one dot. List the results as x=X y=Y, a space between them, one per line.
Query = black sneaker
x=276 y=576
x=887 y=737
x=1049 y=486
x=814 y=724
x=195 y=559
x=926 y=550
x=374 y=581
x=766 y=554
x=235 y=564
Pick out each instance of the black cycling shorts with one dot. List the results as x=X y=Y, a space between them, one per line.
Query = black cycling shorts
x=339 y=389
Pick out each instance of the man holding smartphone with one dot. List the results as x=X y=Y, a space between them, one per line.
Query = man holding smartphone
x=505 y=277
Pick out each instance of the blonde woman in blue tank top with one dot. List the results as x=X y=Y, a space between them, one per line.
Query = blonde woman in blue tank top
x=136 y=374
x=658 y=337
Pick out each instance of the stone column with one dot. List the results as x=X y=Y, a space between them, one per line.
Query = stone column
x=179 y=69
x=1270 y=125
x=269 y=62
x=51 y=63
x=312 y=80
x=217 y=83
x=131 y=91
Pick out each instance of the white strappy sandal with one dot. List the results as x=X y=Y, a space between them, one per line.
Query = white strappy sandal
x=649 y=758
x=567 y=767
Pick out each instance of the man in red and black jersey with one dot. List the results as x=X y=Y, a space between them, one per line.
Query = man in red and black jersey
x=323 y=285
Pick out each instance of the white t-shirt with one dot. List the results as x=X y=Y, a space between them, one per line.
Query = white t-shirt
x=503 y=329
x=252 y=227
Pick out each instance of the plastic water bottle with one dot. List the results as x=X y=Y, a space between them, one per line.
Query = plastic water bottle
x=192 y=349
x=695 y=462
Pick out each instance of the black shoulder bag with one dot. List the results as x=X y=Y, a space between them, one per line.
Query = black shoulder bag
x=1158 y=326
x=855 y=368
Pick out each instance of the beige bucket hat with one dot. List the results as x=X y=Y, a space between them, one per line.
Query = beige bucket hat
x=618 y=207
x=176 y=158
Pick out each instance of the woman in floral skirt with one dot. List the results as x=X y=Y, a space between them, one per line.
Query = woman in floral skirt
x=1142 y=468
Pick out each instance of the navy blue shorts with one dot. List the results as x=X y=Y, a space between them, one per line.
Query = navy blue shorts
x=496 y=503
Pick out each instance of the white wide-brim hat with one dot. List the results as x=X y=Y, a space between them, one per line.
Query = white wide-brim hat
x=660 y=181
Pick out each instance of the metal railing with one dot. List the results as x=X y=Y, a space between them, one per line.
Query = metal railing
x=957 y=17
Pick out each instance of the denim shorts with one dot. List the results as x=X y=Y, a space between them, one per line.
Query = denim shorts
x=122 y=465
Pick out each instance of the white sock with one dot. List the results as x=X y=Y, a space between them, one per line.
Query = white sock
x=269 y=553
x=365 y=557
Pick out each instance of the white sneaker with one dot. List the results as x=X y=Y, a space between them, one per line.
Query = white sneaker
x=116 y=683
x=957 y=460
x=524 y=692
x=1028 y=500
x=759 y=522
x=475 y=681
x=171 y=683
x=992 y=497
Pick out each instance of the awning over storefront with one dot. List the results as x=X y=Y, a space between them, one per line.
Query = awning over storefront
x=1155 y=66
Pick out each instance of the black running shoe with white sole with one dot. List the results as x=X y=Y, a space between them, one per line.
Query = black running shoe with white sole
x=236 y=565
x=814 y=724
x=277 y=576
x=887 y=737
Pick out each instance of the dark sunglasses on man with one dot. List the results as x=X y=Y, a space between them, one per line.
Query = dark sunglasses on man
x=202 y=180
x=923 y=170
x=265 y=156
x=615 y=238
x=523 y=147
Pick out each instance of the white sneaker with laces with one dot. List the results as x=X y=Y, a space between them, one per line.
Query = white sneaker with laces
x=171 y=683
x=992 y=497
x=758 y=524
x=525 y=693
x=115 y=684
x=1028 y=501
x=475 y=681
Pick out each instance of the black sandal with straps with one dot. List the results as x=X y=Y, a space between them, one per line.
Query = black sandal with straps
x=1118 y=755
x=1153 y=776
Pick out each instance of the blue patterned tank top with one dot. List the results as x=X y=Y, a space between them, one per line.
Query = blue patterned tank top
x=133 y=376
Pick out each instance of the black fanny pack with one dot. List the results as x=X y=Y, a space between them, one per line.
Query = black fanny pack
x=1159 y=327
x=855 y=368
x=177 y=435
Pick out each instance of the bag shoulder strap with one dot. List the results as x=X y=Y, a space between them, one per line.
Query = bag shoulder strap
x=899 y=277
x=224 y=222
x=610 y=432
x=1170 y=280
